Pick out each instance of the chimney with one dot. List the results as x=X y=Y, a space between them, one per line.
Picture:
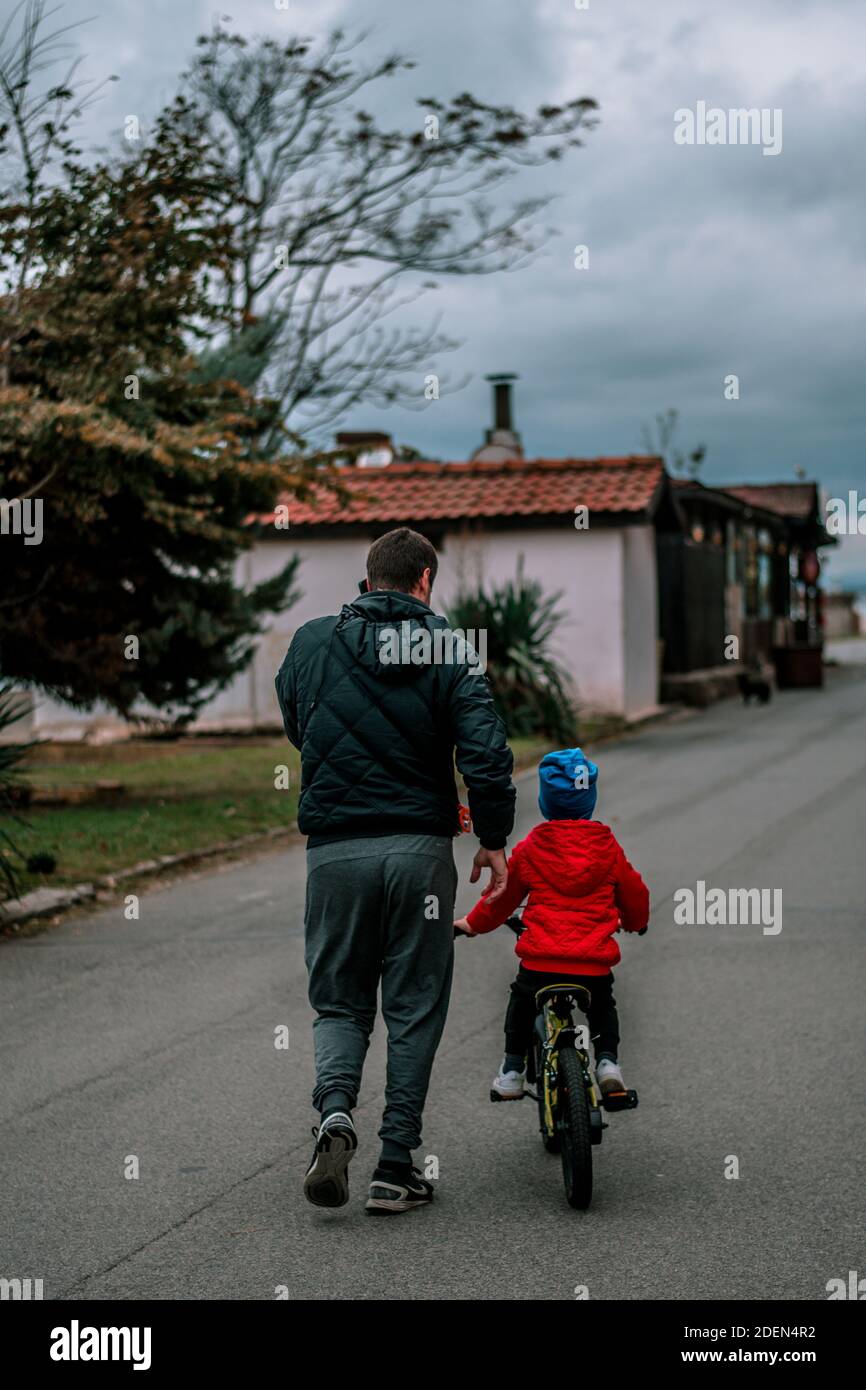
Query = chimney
x=367 y=448
x=502 y=399
x=502 y=441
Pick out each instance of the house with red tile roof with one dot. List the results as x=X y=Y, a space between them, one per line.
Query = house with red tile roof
x=586 y=529
x=654 y=574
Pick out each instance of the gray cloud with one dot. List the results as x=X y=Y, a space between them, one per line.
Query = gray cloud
x=703 y=261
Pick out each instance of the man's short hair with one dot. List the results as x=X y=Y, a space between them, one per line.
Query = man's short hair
x=398 y=559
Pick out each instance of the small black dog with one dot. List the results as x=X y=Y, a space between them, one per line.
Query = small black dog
x=754 y=683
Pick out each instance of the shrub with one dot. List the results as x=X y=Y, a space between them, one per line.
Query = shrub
x=530 y=688
x=12 y=708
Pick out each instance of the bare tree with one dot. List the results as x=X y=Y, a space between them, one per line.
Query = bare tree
x=343 y=222
x=659 y=438
x=36 y=117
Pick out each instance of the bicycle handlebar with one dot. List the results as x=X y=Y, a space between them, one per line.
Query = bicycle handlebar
x=516 y=925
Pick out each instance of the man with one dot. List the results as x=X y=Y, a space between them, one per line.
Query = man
x=377 y=718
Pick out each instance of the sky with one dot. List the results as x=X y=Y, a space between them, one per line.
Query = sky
x=704 y=260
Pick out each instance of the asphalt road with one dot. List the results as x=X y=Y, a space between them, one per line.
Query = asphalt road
x=155 y=1038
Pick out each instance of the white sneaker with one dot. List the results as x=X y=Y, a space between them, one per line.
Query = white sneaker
x=326 y=1183
x=609 y=1077
x=508 y=1085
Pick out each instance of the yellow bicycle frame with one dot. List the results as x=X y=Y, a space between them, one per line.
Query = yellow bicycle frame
x=553 y=1026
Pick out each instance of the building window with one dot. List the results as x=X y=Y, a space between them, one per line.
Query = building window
x=750 y=570
x=765 y=574
x=799 y=608
x=765 y=586
x=736 y=554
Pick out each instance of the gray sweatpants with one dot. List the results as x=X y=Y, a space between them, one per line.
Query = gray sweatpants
x=380 y=909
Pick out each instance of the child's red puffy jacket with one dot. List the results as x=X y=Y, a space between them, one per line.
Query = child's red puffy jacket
x=581 y=888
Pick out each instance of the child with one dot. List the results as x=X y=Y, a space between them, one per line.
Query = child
x=581 y=889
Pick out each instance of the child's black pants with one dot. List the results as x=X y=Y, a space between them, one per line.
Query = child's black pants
x=601 y=1015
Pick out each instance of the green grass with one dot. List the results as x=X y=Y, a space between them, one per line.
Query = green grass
x=162 y=771
x=182 y=797
x=89 y=841
x=528 y=750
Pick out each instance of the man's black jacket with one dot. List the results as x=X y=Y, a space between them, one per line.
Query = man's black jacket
x=377 y=738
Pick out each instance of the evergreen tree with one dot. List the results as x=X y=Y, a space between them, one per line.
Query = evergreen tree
x=135 y=470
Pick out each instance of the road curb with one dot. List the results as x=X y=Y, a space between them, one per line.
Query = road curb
x=45 y=902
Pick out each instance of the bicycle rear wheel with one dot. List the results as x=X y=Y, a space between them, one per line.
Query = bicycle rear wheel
x=575 y=1131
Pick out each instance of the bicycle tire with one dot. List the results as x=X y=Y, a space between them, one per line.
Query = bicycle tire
x=552 y=1142
x=575 y=1131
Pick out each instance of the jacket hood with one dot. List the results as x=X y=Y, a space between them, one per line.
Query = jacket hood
x=573 y=856
x=390 y=634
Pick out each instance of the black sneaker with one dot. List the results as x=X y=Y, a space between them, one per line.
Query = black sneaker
x=395 y=1192
x=327 y=1182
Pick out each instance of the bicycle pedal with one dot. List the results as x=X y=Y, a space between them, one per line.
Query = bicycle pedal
x=494 y=1095
x=619 y=1100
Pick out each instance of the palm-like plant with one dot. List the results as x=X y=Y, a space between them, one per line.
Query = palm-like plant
x=12 y=708
x=530 y=688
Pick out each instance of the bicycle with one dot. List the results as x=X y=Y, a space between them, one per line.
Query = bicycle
x=569 y=1099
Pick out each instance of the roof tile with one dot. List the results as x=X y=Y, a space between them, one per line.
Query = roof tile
x=788 y=499
x=404 y=492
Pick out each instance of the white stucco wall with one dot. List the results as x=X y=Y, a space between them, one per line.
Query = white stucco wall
x=52 y=719
x=641 y=621
x=328 y=577
x=587 y=567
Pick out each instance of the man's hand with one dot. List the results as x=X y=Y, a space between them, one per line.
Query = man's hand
x=462 y=927
x=495 y=861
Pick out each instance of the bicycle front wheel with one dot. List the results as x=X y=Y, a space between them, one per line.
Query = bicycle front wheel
x=575 y=1131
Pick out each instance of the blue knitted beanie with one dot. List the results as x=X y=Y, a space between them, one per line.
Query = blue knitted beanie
x=567 y=785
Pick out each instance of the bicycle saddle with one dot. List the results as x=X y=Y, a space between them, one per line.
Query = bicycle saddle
x=578 y=994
